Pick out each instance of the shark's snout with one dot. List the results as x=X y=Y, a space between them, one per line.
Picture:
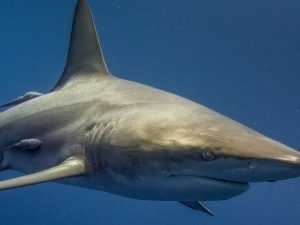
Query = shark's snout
x=247 y=156
x=270 y=160
x=272 y=170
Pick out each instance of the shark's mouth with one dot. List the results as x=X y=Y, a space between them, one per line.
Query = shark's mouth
x=206 y=188
x=229 y=181
x=214 y=179
x=217 y=182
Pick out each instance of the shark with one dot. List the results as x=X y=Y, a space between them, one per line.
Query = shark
x=97 y=131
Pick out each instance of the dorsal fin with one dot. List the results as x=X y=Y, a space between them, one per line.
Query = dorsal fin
x=85 y=59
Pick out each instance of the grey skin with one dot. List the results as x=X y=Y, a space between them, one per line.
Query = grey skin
x=104 y=133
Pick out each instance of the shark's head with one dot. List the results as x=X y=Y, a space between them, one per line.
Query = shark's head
x=197 y=149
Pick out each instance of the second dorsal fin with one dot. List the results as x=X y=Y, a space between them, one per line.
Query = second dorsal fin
x=85 y=59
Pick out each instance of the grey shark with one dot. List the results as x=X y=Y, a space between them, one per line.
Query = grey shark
x=100 y=132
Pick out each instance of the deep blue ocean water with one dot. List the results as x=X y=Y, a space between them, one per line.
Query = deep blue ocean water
x=240 y=58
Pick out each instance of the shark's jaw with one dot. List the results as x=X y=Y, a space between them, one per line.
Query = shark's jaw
x=182 y=188
x=221 y=189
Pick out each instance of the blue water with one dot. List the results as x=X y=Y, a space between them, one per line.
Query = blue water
x=240 y=58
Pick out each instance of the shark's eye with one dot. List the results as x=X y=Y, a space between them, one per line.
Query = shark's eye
x=208 y=155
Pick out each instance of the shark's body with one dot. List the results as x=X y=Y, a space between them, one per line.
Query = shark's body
x=97 y=131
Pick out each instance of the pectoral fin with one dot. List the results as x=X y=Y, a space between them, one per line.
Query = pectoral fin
x=73 y=166
x=197 y=206
x=21 y=99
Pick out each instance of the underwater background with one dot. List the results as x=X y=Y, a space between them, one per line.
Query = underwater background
x=239 y=58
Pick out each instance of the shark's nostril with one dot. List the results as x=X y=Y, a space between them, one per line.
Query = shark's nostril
x=250 y=166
